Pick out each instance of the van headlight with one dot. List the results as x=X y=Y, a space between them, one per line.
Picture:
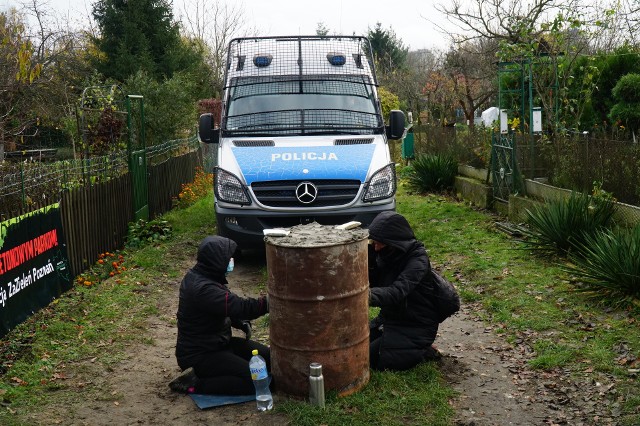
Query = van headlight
x=229 y=189
x=381 y=185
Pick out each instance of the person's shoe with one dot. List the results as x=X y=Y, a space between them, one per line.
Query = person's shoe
x=185 y=382
x=432 y=353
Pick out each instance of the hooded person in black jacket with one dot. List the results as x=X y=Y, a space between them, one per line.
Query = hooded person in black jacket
x=400 y=284
x=214 y=362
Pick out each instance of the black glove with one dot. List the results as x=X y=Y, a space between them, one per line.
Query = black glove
x=246 y=327
x=374 y=299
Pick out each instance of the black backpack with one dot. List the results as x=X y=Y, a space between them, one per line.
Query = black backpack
x=448 y=301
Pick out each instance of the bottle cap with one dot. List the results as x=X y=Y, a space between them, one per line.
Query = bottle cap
x=315 y=369
x=254 y=352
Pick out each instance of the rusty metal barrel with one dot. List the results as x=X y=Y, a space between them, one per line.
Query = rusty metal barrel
x=318 y=308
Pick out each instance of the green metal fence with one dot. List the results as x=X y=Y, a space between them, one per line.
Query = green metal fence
x=96 y=195
x=27 y=186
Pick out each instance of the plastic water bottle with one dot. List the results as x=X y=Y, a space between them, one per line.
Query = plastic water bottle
x=260 y=378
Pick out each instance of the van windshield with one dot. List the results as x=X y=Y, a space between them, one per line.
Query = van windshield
x=323 y=104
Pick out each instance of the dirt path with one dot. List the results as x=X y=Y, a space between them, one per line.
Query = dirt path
x=477 y=364
x=495 y=386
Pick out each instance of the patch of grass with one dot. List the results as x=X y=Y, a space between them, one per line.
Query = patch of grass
x=96 y=323
x=526 y=297
x=414 y=397
x=551 y=355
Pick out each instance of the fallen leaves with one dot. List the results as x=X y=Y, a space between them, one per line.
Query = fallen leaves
x=19 y=381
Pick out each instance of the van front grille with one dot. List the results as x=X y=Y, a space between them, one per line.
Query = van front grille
x=282 y=193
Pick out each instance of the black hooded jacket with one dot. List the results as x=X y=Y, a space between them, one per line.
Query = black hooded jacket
x=207 y=308
x=401 y=286
x=401 y=280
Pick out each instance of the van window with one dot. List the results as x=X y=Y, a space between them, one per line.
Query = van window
x=312 y=105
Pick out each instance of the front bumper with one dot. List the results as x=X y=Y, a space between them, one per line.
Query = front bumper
x=245 y=226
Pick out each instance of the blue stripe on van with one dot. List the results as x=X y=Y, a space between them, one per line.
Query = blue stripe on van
x=304 y=163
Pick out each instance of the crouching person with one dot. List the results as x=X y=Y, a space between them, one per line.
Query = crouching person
x=401 y=336
x=214 y=362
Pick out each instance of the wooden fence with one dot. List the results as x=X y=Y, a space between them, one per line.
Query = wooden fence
x=95 y=217
x=95 y=195
x=170 y=175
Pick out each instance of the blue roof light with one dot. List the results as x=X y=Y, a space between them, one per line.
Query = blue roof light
x=262 y=60
x=337 y=59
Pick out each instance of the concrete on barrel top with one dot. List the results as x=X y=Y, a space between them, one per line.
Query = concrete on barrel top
x=318 y=308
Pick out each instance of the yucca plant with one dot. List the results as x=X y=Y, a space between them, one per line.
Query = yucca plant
x=558 y=225
x=607 y=264
x=432 y=172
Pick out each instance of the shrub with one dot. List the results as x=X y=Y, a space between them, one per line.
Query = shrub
x=430 y=173
x=142 y=232
x=194 y=191
x=607 y=264
x=558 y=225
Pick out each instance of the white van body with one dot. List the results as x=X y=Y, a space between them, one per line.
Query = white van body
x=301 y=137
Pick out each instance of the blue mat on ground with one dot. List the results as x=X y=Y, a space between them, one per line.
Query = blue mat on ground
x=210 y=401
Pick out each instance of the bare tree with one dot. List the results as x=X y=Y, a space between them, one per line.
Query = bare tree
x=214 y=24
x=512 y=21
x=548 y=35
x=618 y=22
x=471 y=73
x=60 y=50
x=438 y=92
x=409 y=82
x=18 y=72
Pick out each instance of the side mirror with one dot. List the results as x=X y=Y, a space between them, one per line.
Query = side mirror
x=206 y=132
x=395 y=130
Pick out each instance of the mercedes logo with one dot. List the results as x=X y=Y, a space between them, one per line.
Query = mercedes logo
x=306 y=192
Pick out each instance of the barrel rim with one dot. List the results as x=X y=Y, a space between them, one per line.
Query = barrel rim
x=272 y=242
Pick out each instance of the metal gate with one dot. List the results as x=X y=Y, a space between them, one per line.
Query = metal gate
x=137 y=157
x=504 y=167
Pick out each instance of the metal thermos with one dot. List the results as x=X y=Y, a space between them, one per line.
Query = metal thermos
x=316 y=385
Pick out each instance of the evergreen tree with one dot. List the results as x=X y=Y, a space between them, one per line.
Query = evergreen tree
x=137 y=35
x=627 y=111
x=389 y=52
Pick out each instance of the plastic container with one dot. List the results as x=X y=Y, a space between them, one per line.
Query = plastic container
x=316 y=385
x=260 y=377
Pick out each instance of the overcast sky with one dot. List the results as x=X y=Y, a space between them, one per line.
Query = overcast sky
x=408 y=18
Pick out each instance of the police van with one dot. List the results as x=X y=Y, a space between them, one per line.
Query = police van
x=301 y=136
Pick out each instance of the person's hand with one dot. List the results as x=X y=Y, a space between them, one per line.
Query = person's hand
x=374 y=298
x=265 y=301
x=246 y=327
